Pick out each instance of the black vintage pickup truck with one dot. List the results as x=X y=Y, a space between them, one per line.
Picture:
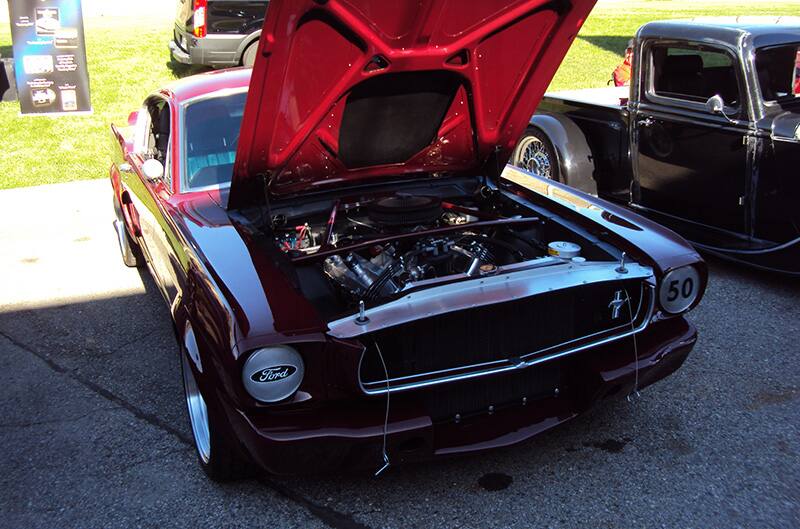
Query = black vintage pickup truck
x=217 y=33
x=706 y=140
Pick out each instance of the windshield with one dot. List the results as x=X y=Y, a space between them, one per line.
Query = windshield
x=778 y=70
x=212 y=133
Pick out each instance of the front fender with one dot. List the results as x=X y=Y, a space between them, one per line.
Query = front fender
x=640 y=237
x=247 y=41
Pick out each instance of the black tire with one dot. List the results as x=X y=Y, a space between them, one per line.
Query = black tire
x=249 y=55
x=535 y=153
x=129 y=249
x=218 y=451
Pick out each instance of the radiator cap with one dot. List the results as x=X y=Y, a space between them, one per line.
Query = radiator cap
x=564 y=250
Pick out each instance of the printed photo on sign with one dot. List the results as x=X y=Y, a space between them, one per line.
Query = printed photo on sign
x=42 y=97
x=69 y=100
x=66 y=38
x=37 y=64
x=48 y=21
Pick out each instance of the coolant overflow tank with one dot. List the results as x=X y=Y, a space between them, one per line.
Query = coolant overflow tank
x=563 y=250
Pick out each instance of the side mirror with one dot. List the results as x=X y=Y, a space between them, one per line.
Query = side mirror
x=132 y=118
x=153 y=169
x=715 y=104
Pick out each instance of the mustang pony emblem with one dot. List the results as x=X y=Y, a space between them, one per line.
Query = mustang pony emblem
x=273 y=374
x=616 y=304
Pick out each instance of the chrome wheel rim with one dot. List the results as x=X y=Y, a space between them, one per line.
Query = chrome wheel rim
x=534 y=158
x=198 y=412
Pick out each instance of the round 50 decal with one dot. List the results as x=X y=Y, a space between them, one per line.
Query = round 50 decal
x=679 y=289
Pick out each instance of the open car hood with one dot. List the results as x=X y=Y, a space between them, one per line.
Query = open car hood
x=348 y=90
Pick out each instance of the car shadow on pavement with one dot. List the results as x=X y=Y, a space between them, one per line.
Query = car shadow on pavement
x=103 y=341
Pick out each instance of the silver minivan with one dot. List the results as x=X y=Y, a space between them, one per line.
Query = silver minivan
x=217 y=33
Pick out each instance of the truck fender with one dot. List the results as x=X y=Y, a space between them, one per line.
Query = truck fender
x=575 y=160
x=247 y=41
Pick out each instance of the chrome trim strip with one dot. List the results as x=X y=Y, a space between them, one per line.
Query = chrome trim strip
x=483 y=291
x=524 y=362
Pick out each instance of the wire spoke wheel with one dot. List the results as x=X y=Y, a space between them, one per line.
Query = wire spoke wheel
x=534 y=157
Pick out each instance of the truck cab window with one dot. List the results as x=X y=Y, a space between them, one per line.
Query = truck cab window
x=694 y=74
x=778 y=69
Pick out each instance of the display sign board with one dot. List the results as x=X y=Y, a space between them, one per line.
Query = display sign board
x=50 y=56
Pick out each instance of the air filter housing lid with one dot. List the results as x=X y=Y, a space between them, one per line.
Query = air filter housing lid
x=405 y=210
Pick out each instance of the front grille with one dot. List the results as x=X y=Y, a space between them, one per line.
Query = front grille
x=444 y=401
x=457 y=342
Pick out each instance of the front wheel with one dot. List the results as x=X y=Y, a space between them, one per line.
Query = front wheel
x=535 y=154
x=215 y=444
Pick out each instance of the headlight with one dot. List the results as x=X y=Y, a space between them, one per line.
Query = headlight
x=273 y=373
x=679 y=289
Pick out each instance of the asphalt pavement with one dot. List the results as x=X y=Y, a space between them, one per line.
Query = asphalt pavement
x=94 y=431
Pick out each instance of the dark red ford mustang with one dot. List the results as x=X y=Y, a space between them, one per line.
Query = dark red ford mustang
x=338 y=226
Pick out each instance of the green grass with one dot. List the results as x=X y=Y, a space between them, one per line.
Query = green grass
x=126 y=63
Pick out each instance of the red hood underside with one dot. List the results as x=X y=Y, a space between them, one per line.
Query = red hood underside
x=348 y=90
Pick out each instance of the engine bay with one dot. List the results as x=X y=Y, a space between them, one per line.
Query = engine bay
x=388 y=267
x=375 y=247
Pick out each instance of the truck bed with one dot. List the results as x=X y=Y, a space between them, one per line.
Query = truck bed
x=615 y=97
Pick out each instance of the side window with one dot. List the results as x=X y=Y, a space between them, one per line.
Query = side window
x=778 y=69
x=694 y=73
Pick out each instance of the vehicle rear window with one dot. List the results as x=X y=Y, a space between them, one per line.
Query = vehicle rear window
x=212 y=133
x=694 y=74
x=778 y=69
